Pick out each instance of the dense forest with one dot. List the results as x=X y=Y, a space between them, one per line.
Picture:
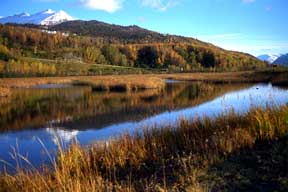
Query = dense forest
x=79 y=48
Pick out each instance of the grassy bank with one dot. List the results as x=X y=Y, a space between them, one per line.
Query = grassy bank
x=121 y=83
x=277 y=77
x=192 y=156
x=112 y=82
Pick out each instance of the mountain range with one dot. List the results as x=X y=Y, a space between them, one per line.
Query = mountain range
x=277 y=59
x=46 y=17
x=270 y=58
x=282 y=60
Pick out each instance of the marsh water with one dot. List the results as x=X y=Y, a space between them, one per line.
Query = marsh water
x=34 y=120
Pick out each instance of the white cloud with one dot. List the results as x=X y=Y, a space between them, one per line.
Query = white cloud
x=255 y=45
x=248 y=1
x=161 y=5
x=226 y=36
x=141 y=19
x=105 y=5
x=257 y=48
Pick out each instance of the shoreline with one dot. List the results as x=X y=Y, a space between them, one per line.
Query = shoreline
x=275 y=77
x=147 y=80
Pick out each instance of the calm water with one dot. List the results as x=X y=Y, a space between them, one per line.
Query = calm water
x=48 y=114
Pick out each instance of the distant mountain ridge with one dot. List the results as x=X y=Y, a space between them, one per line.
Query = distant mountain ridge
x=282 y=60
x=270 y=58
x=96 y=28
x=46 y=17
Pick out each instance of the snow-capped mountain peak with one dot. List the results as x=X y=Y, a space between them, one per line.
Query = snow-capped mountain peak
x=270 y=58
x=46 y=17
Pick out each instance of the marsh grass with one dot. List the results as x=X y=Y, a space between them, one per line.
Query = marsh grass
x=152 y=81
x=167 y=159
x=275 y=76
x=4 y=92
x=121 y=83
x=130 y=81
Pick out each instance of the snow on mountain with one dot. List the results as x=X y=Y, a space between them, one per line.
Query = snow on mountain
x=47 y=17
x=270 y=58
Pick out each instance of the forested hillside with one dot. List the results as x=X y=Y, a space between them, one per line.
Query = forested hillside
x=80 y=48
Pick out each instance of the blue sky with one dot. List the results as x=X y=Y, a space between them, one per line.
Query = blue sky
x=253 y=26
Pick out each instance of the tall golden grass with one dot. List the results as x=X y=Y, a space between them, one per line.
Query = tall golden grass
x=121 y=83
x=5 y=92
x=155 y=80
x=131 y=81
x=166 y=159
x=275 y=76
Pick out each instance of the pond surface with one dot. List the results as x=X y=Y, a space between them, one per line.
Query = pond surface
x=33 y=120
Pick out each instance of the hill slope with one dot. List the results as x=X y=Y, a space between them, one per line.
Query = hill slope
x=100 y=29
x=124 y=34
x=71 y=44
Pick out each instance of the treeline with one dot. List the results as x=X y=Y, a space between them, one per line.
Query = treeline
x=17 y=42
x=22 y=39
x=174 y=57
